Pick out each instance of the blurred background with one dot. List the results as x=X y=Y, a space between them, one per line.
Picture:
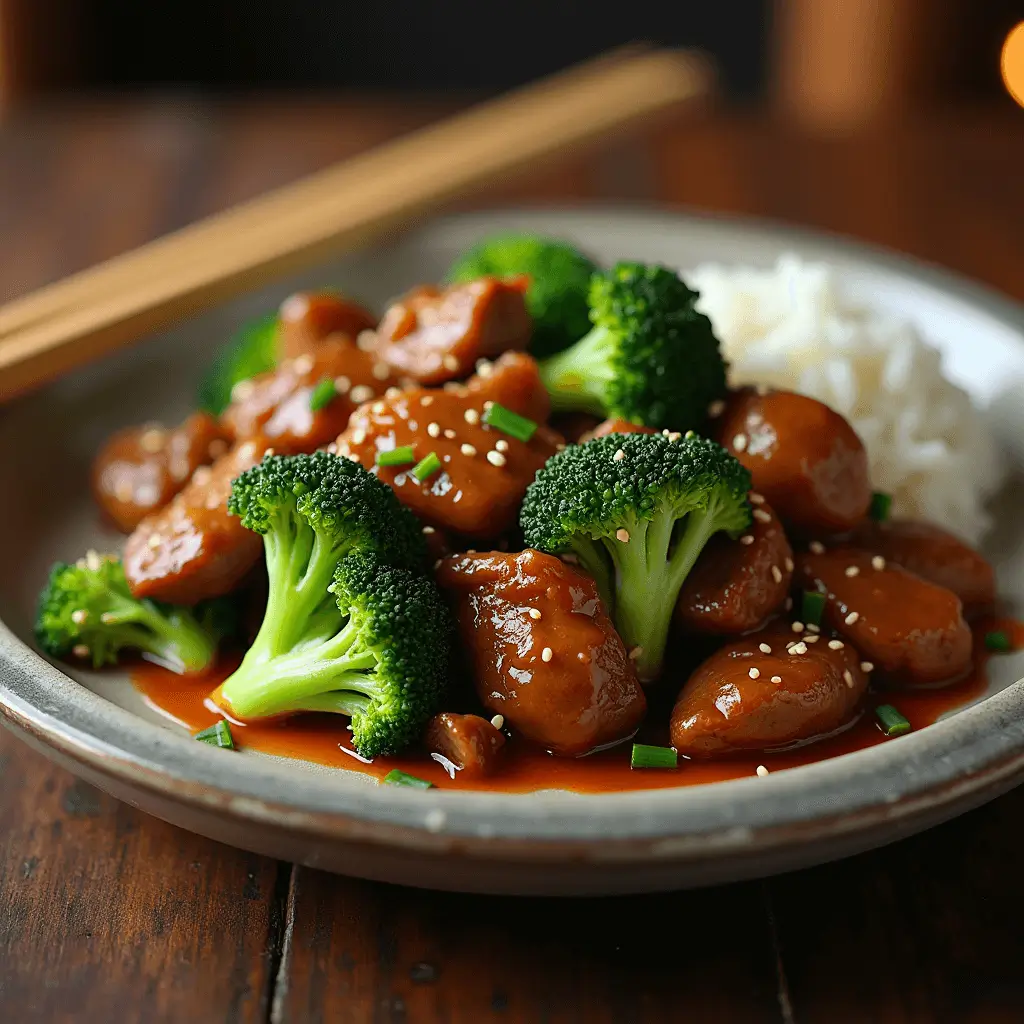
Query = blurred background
x=822 y=61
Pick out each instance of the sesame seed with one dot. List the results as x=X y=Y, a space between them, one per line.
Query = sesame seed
x=501 y=445
x=80 y=651
x=851 y=618
x=498 y=721
x=358 y=436
x=878 y=562
x=381 y=371
x=716 y=408
x=665 y=432
x=535 y=614
x=378 y=408
x=242 y=390
x=776 y=679
x=747 y=539
x=449 y=433
x=764 y=648
x=762 y=516
x=811 y=638
x=836 y=645
x=367 y=340
x=547 y=654
x=152 y=440
x=437 y=564
x=496 y=459
x=813 y=628
x=154 y=541
x=361 y=393
x=471 y=416
x=817 y=547
x=429 y=530
x=123 y=491
x=851 y=571
x=739 y=442
x=342 y=384
x=427 y=400
x=762 y=771
x=488 y=405
x=848 y=678
x=560 y=447
x=754 y=673
x=392 y=393
x=434 y=429
x=79 y=616
x=755 y=499
x=108 y=618
x=468 y=449
x=789 y=564
x=619 y=456
x=450 y=362
x=269 y=451
x=800 y=648
x=93 y=560
x=797 y=627
x=674 y=436
x=622 y=535
x=867 y=666
x=635 y=653
x=484 y=368
x=762 y=390
x=776 y=574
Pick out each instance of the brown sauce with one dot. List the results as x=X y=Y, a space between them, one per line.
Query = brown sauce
x=323 y=739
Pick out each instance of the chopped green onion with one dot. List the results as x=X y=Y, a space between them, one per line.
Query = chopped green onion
x=812 y=607
x=509 y=422
x=645 y=756
x=396 y=456
x=893 y=723
x=426 y=468
x=880 y=505
x=323 y=394
x=997 y=640
x=397 y=778
x=217 y=735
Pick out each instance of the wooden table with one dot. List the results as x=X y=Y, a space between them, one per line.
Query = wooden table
x=108 y=915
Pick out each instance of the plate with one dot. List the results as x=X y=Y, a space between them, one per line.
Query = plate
x=96 y=725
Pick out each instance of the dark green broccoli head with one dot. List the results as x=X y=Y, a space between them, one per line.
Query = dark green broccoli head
x=86 y=610
x=636 y=510
x=383 y=661
x=252 y=351
x=559 y=277
x=650 y=358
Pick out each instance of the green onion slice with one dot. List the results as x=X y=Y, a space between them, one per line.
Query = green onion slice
x=881 y=503
x=997 y=640
x=812 y=606
x=645 y=756
x=426 y=468
x=397 y=778
x=509 y=422
x=892 y=722
x=396 y=456
x=323 y=394
x=217 y=735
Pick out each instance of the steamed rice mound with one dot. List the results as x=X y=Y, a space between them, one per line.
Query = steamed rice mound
x=790 y=328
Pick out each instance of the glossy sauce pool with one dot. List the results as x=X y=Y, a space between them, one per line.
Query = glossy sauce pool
x=325 y=740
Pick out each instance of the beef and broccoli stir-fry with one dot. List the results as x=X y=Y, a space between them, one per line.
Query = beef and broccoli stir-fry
x=523 y=507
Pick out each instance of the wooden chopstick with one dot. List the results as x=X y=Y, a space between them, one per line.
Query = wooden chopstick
x=70 y=323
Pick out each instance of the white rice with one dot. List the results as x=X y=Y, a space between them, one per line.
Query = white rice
x=790 y=327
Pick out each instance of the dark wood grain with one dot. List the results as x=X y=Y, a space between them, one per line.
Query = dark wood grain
x=109 y=915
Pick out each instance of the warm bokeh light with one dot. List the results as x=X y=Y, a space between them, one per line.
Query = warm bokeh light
x=1012 y=63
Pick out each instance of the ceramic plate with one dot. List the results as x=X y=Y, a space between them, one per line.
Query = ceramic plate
x=554 y=842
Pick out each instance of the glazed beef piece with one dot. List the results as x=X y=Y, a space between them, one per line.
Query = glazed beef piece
x=470 y=742
x=192 y=549
x=433 y=335
x=308 y=318
x=615 y=426
x=484 y=472
x=767 y=690
x=908 y=628
x=139 y=470
x=933 y=554
x=803 y=457
x=544 y=653
x=279 y=406
x=737 y=585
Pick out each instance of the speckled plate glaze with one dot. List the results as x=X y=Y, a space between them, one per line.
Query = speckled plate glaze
x=548 y=843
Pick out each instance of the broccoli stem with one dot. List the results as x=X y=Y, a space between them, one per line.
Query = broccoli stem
x=650 y=577
x=577 y=378
x=172 y=638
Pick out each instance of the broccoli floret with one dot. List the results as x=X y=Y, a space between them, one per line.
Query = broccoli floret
x=253 y=350
x=87 y=610
x=376 y=650
x=637 y=522
x=559 y=278
x=650 y=357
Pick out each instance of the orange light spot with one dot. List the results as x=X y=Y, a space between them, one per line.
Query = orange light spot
x=1012 y=63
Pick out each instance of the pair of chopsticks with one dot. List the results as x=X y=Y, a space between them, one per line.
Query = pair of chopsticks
x=68 y=324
